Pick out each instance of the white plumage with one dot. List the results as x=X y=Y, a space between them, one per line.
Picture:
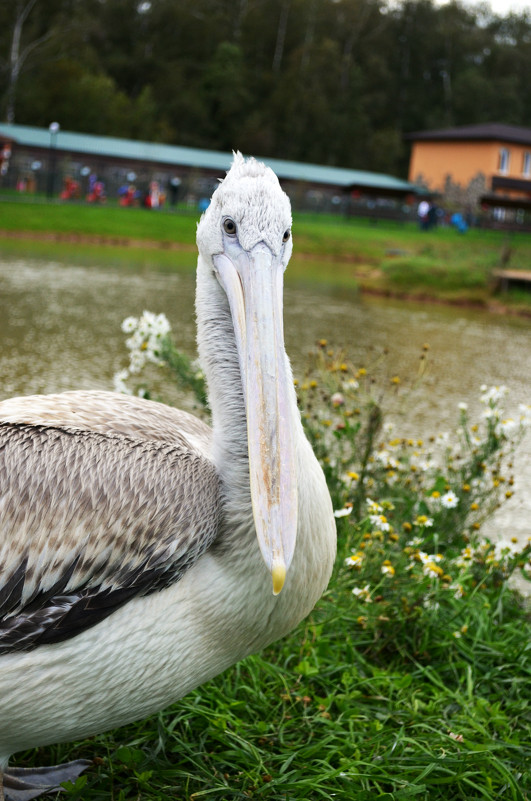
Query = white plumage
x=138 y=546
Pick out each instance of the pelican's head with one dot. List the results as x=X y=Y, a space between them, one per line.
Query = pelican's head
x=245 y=235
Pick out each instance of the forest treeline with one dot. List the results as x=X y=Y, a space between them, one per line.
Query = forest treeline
x=330 y=81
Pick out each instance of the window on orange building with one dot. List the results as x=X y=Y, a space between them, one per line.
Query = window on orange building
x=526 y=165
x=505 y=157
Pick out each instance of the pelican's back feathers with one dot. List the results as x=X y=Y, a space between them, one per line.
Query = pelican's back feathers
x=88 y=519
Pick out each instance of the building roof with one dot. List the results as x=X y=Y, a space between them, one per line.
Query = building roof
x=175 y=156
x=484 y=131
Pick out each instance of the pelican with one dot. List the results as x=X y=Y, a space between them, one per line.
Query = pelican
x=142 y=552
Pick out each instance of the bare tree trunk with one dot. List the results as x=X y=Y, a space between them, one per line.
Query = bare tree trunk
x=16 y=58
x=308 y=37
x=281 y=35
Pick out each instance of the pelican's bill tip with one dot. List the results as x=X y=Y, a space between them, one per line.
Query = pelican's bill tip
x=278 y=573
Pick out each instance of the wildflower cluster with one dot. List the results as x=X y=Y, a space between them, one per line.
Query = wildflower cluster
x=149 y=342
x=410 y=510
x=145 y=345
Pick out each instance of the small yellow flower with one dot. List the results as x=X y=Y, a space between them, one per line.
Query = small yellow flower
x=435 y=494
x=474 y=506
x=466 y=487
x=395 y=379
x=354 y=476
x=509 y=494
x=362 y=371
x=313 y=383
x=387 y=568
x=407 y=526
x=322 y=343
x=343 y=367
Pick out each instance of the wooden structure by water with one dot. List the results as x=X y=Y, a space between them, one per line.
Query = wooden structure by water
x=512 y=279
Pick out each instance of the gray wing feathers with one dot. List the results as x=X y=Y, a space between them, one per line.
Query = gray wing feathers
x=110 y=413
x=89 y=519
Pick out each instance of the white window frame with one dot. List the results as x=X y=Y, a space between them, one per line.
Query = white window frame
x=504 y=160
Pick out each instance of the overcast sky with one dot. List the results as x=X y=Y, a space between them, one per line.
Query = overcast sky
x=504 y=7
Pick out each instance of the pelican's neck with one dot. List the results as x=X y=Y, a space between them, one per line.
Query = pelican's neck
x=219 y=360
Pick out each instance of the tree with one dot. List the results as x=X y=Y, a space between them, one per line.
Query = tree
x=18 y=53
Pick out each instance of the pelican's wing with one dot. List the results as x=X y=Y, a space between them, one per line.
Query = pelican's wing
x=89 y=519
x=109 y=413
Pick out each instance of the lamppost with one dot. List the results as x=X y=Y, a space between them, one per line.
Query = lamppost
x=54 y=130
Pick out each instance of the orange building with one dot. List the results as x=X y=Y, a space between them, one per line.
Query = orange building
x=488 y=165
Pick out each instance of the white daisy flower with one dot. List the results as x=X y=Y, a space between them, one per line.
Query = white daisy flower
x=380 y=522
x=129 y=325
x=354 y=560
x=508 y=426
x=363 y=593
x=119 y=380
x=343 y=512
x=449 y=500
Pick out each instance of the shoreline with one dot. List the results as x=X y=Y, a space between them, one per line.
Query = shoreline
x=491 y=305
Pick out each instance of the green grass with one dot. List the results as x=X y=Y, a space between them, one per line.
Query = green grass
x=99 y=221
x=322 y=716
x=383 y=257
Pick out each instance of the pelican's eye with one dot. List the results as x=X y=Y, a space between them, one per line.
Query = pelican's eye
x=229 y=226
x=286 y=236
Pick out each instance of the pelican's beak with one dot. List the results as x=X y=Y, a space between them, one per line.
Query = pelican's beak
x=253 y=282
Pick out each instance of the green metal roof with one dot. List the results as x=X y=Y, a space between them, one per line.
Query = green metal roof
x=194 y=157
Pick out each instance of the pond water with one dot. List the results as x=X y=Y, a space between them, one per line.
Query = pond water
x=60 y=330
